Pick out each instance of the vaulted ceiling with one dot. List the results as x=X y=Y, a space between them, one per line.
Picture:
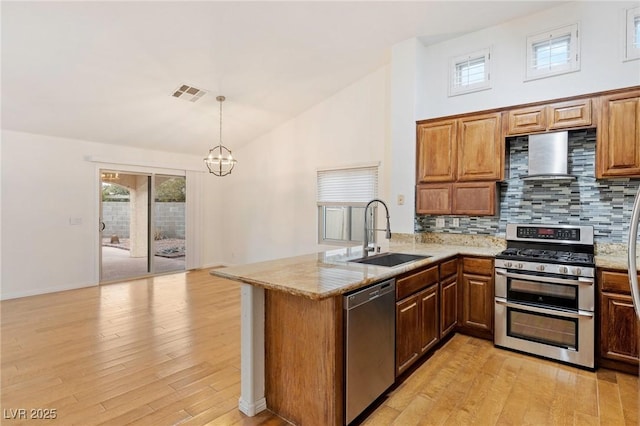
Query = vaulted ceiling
x=106 y=71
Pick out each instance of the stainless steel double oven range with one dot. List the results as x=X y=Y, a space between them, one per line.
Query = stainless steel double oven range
x=545 y=292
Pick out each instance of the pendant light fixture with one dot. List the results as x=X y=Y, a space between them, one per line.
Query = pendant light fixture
x=220 y=162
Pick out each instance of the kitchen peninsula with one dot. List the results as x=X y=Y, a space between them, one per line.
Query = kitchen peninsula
x=292 y=325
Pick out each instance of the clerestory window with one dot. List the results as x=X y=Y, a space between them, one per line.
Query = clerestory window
x=553 y=52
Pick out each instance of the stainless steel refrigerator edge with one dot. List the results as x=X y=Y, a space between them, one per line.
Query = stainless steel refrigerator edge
x=370 y=333
x=631 y=260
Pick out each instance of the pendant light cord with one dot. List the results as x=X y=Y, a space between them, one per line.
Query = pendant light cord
x=221 y=99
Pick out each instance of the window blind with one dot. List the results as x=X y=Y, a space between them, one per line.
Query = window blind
x=550 y=53
x=470 y=71
x=354 y=185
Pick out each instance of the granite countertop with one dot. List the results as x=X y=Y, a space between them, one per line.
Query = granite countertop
x=613 y=256
x=330 y=273
x=613 y=262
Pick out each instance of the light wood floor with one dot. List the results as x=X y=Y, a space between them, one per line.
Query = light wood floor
x=166 y=350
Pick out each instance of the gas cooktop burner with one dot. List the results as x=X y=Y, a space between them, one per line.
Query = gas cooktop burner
x=554 y=256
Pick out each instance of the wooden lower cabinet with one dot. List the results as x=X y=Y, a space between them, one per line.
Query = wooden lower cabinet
x=429 y=326
x=477 y=297
x=619 y=331
x=478 y=309
x=416 y=326
x=304 y=355
x=619 y=327
x=407 y=325
x=448 y=305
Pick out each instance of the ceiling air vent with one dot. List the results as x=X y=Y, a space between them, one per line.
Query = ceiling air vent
x=188 y=93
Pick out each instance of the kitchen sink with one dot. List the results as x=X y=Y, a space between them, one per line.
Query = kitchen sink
x=390 y=259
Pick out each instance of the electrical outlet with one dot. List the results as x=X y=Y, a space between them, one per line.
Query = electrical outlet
x=440 y=222
x=400 y=199
x=456 y=222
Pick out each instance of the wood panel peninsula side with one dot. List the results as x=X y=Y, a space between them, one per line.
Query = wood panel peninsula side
x=292 y=338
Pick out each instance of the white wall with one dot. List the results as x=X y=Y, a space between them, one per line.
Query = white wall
x=46 y=181
x=405 y=82
x=267 y=208
x=264 y=209
x=271 y=198
x=602 y=68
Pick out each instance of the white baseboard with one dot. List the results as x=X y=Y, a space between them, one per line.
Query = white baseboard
x=252 y=408
x=39 y=291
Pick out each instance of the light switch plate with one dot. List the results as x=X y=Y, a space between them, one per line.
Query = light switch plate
x=440 y=222
x=456 y=222
x=400 y=199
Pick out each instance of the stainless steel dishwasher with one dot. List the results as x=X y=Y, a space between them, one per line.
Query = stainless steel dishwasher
x=370 y=339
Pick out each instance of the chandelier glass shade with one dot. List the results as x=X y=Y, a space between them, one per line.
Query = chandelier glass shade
x=220 y=162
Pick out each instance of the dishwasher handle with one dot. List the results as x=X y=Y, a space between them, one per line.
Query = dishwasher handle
x=367 y=294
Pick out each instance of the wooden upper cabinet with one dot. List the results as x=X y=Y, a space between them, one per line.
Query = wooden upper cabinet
x=464 y=149
x=549 y=117
x=462 y=198
x=570 y=114
x=526 y=120
x=618 y=136
x=434 y=198
x=436 y=151
x=480 y=148
x=475 y=198
x=458 y=164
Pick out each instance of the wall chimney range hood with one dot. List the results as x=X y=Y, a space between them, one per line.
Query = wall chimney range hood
x=548 y=156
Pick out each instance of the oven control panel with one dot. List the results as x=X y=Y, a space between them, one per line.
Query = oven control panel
x=567 y=234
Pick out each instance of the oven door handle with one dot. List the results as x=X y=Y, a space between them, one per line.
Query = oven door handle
x=539 y=310
x=579 y=281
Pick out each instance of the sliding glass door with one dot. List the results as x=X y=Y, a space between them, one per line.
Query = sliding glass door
x=169 y=223
x=142 y=224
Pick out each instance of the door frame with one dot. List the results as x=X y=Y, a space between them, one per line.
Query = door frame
x=133 y=169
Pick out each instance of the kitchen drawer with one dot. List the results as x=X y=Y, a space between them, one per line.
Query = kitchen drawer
x=614 y=281
x=478 y=265
x=448 y=268
x=413 y=283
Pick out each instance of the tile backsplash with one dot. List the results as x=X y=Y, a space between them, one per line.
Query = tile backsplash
x=606 y=203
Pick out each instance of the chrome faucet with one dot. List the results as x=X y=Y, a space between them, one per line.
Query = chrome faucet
x=365 y=245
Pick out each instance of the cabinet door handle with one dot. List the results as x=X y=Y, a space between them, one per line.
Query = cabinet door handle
x=558 y=313
x=526 y=277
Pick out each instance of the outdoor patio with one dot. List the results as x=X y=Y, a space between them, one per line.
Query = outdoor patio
x=117 y=264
